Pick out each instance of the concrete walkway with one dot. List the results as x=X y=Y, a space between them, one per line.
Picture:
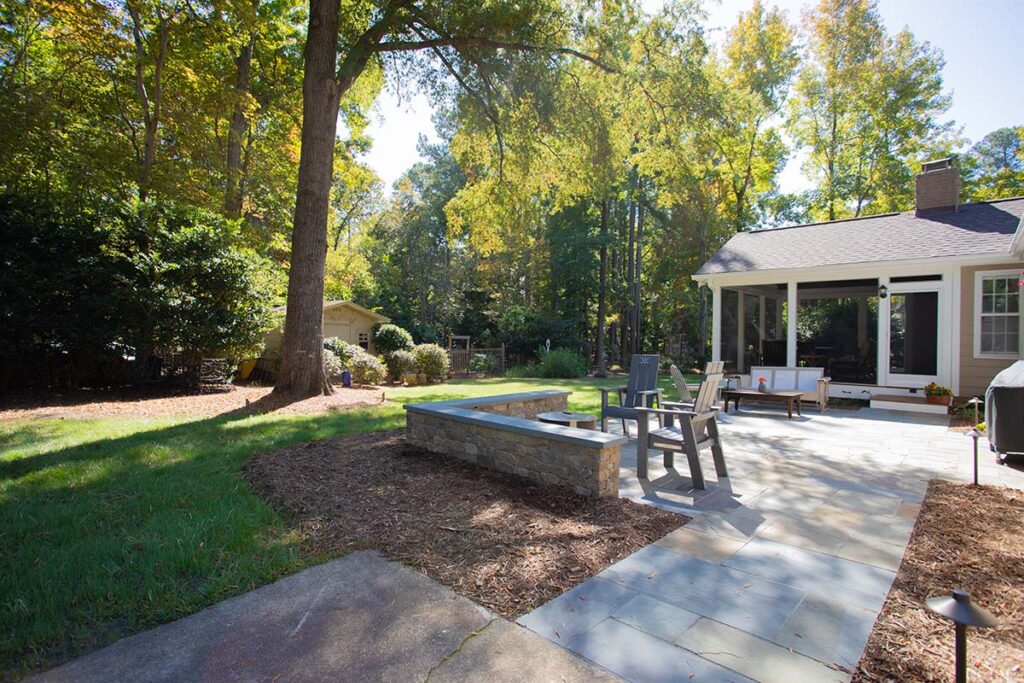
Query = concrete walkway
x=787 y=563
x=358 y=618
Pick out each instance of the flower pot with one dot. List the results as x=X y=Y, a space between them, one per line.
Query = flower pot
x=762 y=387
x=939 y=400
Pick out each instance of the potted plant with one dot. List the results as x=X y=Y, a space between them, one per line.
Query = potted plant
x=938 y=394
x=762 y=385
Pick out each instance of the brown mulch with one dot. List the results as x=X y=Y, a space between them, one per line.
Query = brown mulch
x=508 y=543
x=966 y=537
x=156 y=403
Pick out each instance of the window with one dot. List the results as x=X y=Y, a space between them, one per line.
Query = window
x=997 y=314
x=364 y=340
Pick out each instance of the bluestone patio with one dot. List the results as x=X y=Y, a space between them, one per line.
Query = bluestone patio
x=787 y=563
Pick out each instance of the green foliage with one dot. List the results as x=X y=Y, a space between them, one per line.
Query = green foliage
x=366 y=368
x=390 y=338
x=342 y=349
x=994 y=166
x=332 y=365
x=128 y=280
x=523 y=370
x=401 y=363
x=562 y=363
x=431 y=361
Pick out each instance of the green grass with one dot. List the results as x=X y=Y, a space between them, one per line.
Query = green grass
x=109 y=526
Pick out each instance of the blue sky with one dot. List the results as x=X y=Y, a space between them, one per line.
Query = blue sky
x=981 y=41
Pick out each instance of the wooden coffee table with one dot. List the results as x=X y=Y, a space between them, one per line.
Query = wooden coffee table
x=569 y=419
x=787 y=397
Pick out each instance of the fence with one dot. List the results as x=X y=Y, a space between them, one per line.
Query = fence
x=476 y=362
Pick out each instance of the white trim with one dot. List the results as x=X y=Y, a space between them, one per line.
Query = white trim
x=851 y=271
x=792 y=304
x=955 y=313
x=716 y=323
x=942 y=360
x=978 y=277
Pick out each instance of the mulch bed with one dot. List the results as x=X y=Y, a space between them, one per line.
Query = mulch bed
x=163 y=403
x=965 y=537
x=508 y=543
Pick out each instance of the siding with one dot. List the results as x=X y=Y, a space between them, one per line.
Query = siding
x=342 y=321
x=976 y=373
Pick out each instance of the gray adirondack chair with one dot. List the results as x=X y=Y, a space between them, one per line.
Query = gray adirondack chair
x=679 y=380
x=697 y=430
x=641 y=390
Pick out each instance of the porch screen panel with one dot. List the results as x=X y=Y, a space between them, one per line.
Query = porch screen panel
x=914 y=333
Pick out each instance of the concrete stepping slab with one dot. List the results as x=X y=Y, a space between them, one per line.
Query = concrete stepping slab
x=359 y=617
x=755 y=657
x=639 y=657
x=821 y=629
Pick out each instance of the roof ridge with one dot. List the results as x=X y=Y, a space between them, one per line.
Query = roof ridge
x=910 y=212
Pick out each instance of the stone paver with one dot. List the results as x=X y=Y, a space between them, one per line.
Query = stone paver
x=782 y=571
x=358 y=618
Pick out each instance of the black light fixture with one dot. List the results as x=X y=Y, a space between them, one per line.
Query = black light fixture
x=975 y=434
x=959 y=609
x=883 y=291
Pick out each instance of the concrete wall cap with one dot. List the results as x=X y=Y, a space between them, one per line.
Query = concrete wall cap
x=491 y=400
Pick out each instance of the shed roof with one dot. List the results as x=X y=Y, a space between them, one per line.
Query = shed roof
x=340 y=303
x=979 y=228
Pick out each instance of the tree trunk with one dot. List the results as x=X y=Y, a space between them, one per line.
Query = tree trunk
x=602 y=294
x=627 y=349
x=301 y=373
x=151 y=104
x=636 y=281
x=235 y=191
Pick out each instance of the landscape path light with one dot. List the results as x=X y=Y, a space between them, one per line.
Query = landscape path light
x=974 y=402
x=959 y=609
x=975 y=434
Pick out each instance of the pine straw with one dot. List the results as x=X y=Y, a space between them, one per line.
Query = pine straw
x=965 y=537
x=508 y=543
x=163 y=403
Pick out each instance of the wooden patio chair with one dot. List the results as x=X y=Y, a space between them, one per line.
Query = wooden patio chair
x=680 y=381
x=697 y=430
x=685 y=396
x=641 y=390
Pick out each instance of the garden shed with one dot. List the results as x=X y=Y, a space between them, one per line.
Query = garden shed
x=345 y=320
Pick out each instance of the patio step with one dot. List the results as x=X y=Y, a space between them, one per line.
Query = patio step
x=910 y=404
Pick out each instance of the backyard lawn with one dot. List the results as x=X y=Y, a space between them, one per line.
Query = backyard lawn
x=111 y=525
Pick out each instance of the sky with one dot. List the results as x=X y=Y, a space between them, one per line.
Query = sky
x=980 y=40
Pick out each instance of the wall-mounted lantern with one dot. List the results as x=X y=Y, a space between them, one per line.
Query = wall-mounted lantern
x=883 y=291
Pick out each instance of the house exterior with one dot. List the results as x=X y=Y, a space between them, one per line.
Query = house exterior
x=886 y=303
x=343 y=319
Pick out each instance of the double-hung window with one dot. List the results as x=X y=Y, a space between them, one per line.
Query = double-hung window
x=997 y=313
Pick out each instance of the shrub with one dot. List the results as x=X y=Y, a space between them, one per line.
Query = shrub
x=366 y=369
x=563 y=363
x=332 y=365
x=342 y=349
x=528 y=370
x=432 y=361
x=401 y=363
x=390 y=338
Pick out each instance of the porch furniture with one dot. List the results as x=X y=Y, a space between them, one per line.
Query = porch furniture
x=787 y=397
x=569 y=419
x=685 y=397
x=697 y=430
x=641 y=391
x=810 y=382
x=680 y=382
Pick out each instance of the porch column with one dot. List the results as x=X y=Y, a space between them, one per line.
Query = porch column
x=741 y=331
x=791 y=306
x=716 y=323
x=882 y=360
x=760 y=329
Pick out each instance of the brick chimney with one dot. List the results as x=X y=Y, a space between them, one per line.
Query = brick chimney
x=937 y=186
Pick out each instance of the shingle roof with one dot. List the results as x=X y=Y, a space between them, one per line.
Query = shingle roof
x=981 y=228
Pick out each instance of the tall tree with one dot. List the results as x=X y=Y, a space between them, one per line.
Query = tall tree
x=468 y=43
x=994 y=166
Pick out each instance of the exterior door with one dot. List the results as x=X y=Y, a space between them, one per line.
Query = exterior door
x=914 y=340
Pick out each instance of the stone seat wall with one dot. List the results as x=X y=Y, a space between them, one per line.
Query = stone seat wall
x=499 y=432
